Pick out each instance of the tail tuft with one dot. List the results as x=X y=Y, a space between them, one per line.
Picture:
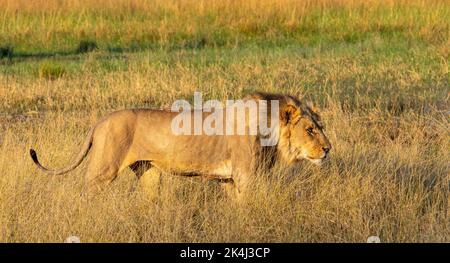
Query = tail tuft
x=34 y=156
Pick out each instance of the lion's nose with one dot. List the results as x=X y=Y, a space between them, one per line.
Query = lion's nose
x=326 y=149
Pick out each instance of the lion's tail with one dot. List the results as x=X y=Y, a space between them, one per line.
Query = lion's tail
x=83 y=153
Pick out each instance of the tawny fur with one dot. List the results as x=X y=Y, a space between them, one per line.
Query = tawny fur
x=142 y=138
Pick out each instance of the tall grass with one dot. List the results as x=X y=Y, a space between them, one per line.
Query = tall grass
x=378 y=69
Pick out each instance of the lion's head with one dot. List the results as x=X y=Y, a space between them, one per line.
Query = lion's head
x=301 y=133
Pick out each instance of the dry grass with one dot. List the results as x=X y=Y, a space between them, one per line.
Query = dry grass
x=385 y=114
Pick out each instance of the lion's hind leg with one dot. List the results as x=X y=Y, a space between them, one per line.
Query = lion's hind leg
x=98 y=176
x=106 y=160
x=151 y=183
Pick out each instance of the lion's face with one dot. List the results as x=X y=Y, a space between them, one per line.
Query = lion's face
x=302 y=135
x=308 y=141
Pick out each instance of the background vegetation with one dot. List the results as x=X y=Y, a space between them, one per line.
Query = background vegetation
x=378 y=69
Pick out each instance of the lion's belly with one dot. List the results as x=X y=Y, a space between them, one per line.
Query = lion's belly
x=197 y=156
x=220 y=170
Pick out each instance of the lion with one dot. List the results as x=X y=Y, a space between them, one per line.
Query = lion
x=141 y=139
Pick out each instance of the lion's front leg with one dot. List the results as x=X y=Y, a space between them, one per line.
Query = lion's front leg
x=237 y=188
x=230 y=190
x=240 y=185
x=242 y=171
x=243 y=159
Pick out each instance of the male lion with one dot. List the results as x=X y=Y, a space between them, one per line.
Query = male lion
x=143 y=138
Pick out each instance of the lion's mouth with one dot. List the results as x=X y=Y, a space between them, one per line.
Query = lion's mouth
x=299 y=155
x=317 y=161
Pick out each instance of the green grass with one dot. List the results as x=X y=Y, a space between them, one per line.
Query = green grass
x=377 y=67
x=162 y=26
x=51 y=70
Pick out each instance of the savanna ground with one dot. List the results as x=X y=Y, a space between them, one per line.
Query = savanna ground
x=378 y=69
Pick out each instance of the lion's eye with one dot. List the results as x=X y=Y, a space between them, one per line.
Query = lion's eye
x=310 y=130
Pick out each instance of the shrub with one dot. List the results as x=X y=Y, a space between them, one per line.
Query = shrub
x=86 y=46
x=51 y=70
x=6 y=51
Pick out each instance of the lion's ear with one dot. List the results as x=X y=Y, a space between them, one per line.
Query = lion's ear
x=289 y=113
